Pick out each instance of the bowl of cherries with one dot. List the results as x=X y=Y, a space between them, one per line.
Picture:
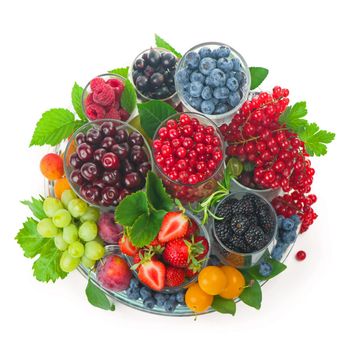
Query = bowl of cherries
x=105 y=160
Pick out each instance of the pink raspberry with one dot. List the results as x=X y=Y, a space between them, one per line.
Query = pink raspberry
x=124 y=114
x=97 y=83
x=118 y=91
x=113 y=114
x=95 y=111
x=104 y=97
x=89 y=100
x=114 y=82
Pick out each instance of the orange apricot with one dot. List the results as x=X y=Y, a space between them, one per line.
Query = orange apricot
x=60 y=186
x=51 y=166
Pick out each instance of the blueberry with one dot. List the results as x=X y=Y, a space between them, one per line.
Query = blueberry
x=296 y=220
x=192 y=59
x=225 y=65
x=265 y=269
x=280 y=219
x=160 y=299
x=218 y=77
x=207 y=107
x=183 y=76
x=170 y=305
x=145 y=293
x=205 y=52
x=279 y=250
x=221 y=93
x=206 y=65
x=172 y=297
x=215 y=101
x=180 y=297
x=197 y=76
x=232 y=84
x=149 y=303
x=133 y=293
x=134 y=283
x=210 y=82
x=195 y=89
x=239 y=76
x=288 y=224
x=206 y=93
x=195 y=102
x=236 y=64
x=287 y=236
x=234 y=99
x=221 y=108
x=223 y=51
x=213 y=261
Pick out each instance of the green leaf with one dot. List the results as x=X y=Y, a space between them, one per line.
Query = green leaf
x=123 y=72
x=156 y=194
x=97 y=297
x=162 y=43
x=36 y=206
x=54 y=126
x=224 y=306
x=76 y=95
x=315 y=140
x=131 y=207
x=128 y=98
x=293 y=116
x=152 y=114
x=29 y=239
x=277 y=268
x=47 y=267
x=258 y=74
x=146 y=227
x=252 y=295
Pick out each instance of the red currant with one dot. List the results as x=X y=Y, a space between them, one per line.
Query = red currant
x=300 y=255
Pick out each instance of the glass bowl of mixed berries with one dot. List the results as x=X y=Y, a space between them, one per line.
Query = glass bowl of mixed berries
x=101 y=98
x=245 y=229
x=105 y=160
x=213 y=79
x=188 y=151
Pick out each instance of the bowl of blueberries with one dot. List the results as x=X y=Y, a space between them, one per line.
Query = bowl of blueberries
x=213 y=79
x=152 y=73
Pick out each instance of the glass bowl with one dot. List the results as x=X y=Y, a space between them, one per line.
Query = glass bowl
x=101 y=110
x=172 y=99
x=190 y=193
x=93 y=193
x=238 y=259
x=243 y=75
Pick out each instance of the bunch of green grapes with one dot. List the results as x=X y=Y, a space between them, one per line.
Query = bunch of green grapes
x=72 y=225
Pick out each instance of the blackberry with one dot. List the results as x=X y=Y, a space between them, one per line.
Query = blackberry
x=255 y=200
x=240 y=223
x=266 y=223
x=224 y=210
x=223 y=230
x=243 y=206
x=255 y=238
x=237 y=243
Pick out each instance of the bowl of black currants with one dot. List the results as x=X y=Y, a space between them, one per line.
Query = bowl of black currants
x=105 y=160
x=152 y=73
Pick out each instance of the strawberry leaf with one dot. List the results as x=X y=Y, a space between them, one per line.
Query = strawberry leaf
x=315 y=139
x=293 y=116
x=162 y=43
x=36 y=206
x=128 y=98
x=277 y=268
x=252 y=295
x=123 y=72
x=258 y=75
x=97 y=297
x=76 y=96
x=224 y=306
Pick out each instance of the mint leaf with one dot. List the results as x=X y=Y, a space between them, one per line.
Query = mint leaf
x=76 y=95
x=54 y=126
x=162 y=43
x=293 y=116
x=130 y=208
x=315 y=140
x=128 y=98
x=224 y=306
x=146 y=227
x=152 y=114
x=47 y=267
x=156 y=194
x=252 y=296
x=123 y=72
x=277 y=268
x=97 y=297
x=36 y=206
x=258 y=74
x=29 y=239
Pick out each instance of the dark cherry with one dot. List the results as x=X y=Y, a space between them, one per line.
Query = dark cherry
x=139 y=64
x=94 y=136
x=154 y=58
x=156 y=80
x=90 y=171
x=108 y=142
x=80 y=138
x=128 y=166
x=132 y=180
x=121 y=135
x=110 y=161
x=138 y=156
x=98 y=154
x=168 y=60
x=93 y=194
x=109 y=195
x=74 y=161
x=108 y=128
x=122 y=194
x=143 y=168
x=111 y=177
x=120 y=150
x=99 y=183
x=135 y=138
x=85 y=152
x=142 y=83
x=77 y=178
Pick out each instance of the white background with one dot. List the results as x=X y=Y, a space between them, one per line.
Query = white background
x=47 y=45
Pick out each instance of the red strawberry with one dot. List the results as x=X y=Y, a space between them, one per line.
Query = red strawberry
x=126 y=246
x=153 y=274
x=204 y=243
x=174 y=276
x=192 y=228
x=174 y=225
x=190 y=273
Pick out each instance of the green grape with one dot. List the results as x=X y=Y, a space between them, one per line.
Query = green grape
x=67 y=196
x=92 y=214
x=76 y=249
x=94 y=250
x=77 y=207
x=67 y=262
x=46 y=228
x=235 y=166
x=51 y=205
x=88 y=263
x=62 y=218
x=60 y=243
x=70 y=233
x=88 y=231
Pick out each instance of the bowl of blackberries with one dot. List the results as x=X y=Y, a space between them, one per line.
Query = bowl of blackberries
x=105 y=160
x=213 y=79
x=152 y=74
x=245 y=229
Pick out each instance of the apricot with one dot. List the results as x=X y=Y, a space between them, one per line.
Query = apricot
x=61 y=185
x=51 y=166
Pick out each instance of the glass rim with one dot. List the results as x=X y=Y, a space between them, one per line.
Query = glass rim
x=254 y=190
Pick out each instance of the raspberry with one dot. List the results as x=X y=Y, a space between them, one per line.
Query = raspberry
x=89 y=100
x=124 y=114
x=96 y=84
x=95 y=111
x=114 y=83
x=105 y=96
x=118 y=91
x=113 y=114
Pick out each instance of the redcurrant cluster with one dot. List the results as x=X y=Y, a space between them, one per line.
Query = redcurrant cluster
x=187 y=151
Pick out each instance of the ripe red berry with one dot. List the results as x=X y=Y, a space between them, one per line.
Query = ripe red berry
x=300 y=255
